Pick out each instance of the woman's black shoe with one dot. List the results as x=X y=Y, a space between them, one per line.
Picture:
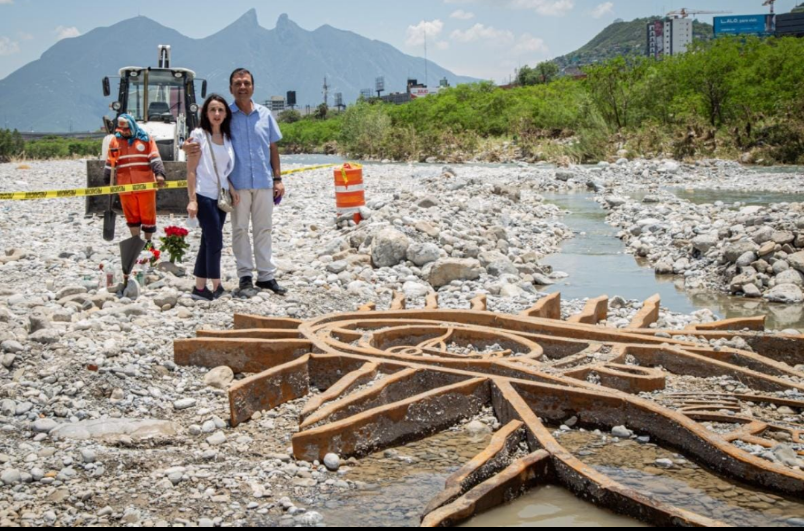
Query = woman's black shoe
x=202 y=294
x=218 y=293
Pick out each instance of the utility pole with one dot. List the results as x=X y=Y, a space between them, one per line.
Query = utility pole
x=425 y=57
x=326 y=93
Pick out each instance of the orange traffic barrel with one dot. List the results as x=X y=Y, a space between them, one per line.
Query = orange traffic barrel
x=350 y=194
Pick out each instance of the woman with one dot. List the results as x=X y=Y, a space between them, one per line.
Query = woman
x=205 y=171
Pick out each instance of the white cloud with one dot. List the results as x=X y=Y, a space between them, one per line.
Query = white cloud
x=462 y=15
x=8 y=47
x=6 y=2
x=550 y=8
x=603 y=9
x=63 y=32
x=25 y=36
x=528 y=44
x=416 y=34
x=479 y=32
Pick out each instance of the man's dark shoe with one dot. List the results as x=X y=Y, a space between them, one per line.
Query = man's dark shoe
x=273 y=286
x=246 y=283
x=202 y=294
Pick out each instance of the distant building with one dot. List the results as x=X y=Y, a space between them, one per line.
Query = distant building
x=669 y=37
x=790 y=25
x=276 y=104
x=678 y=35
x=656 y=39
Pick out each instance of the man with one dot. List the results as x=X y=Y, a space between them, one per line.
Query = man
x=258 y=179
x=137 y=159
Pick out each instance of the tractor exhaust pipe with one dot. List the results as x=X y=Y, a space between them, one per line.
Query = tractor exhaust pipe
x=164 y=56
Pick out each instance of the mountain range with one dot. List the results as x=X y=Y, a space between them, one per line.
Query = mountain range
x=61 y=91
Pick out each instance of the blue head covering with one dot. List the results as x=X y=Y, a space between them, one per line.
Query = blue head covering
x=136 y=131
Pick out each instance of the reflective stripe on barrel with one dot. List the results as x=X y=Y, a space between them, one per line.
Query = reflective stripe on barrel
x=349 y=189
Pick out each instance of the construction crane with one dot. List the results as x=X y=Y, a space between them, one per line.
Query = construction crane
x=684 y=13
x=770 y=3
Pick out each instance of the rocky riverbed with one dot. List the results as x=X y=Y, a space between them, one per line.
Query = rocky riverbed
x=746 y=249
x=99 y=427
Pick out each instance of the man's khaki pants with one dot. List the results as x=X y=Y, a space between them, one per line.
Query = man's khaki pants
x=257 y=207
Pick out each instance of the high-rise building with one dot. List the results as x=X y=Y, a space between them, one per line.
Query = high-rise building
x=677 y=35
x=669 y=37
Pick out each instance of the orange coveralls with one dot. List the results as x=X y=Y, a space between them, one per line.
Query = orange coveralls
x=138 y=163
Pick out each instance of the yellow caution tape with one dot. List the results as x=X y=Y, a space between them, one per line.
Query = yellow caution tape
x=89 y=192
x=349 y=166
x=119 y=189
x=310 y=168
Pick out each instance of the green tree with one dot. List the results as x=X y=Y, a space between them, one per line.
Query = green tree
x=289 y=116
x=711 y=71
x=542 y=74
x=321 y=111
x=617 y=88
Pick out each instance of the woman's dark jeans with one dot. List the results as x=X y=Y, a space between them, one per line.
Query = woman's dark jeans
x=211 y=219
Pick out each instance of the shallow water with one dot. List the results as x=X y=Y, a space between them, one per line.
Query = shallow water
x=597 y=263
x=685 y=485
x=398 y=492
x=550 y=507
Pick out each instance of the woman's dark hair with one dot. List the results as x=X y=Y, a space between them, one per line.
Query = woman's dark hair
x=226 y=126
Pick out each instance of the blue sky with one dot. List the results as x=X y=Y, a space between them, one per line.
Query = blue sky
x=481 y=38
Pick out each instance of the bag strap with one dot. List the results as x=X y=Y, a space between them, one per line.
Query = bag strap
x=214 y=162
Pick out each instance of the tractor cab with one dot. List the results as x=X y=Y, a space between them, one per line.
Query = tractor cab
x=163 y=102
x=161 y=99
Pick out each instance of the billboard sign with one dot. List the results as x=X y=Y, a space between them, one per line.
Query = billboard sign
x=420 y=92
x=745 y=25
x=656 y=39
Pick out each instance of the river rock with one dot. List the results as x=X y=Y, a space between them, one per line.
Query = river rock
x=389 y=248
x=332 y=462
x=785 y=293
x=704 y=243
x=734 y=251
x=796 y=261
x=219 y=378
x=447 y=270
x=422 y=254
x=112 y=429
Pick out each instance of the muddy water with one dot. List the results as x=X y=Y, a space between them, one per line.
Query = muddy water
x=550 y=507
x=401 y=483
x=685 y=485
x=597 y=264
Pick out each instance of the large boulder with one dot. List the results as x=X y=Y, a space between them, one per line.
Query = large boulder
x=783 y=237
x=736 y=250
x=422 y=254
x=502 y=267
x=791 y=276
x=704 y=243
x=389 y=248
x=796 y=261
x=450 y=269
x=763 y=235
x=785 y=293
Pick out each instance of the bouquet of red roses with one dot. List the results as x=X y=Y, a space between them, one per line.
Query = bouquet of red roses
x=174 y=243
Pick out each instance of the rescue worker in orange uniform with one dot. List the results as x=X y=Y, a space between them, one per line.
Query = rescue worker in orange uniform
x=137 y=159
